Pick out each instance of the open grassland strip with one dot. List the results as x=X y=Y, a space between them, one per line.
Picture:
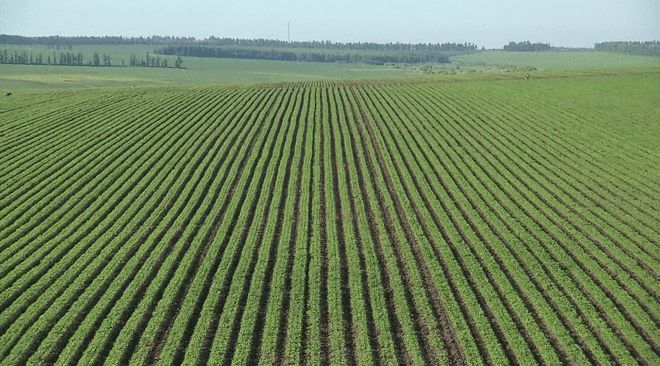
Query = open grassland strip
x=54 y=309
x=608 y=200
x=192 y=324
x=145 y=309
x=339 y=332
x=235 y=270
x=272 y=348
x=76 y=128
x=595 y=284
x=544 y=156
x=100 y=235
x=31 y=207
x=509 y=237
x=99 y=221
x=409 y=331
x=163 y=327
x=523 y=217
x=291 y=341
x=525 y=307
x=258 y=291
x=522 y=345
x=483 y=331
x=638 y=290
x=43 y=241
x=620 y=176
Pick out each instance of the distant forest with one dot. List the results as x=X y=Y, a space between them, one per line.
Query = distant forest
x=311 y=55
x=265 y=49
x=215 y=41
x=527 y=46
x=651 y=48
x=85 y=40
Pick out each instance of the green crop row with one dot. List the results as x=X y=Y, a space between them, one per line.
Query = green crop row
x=327 y=223
x=160 y=146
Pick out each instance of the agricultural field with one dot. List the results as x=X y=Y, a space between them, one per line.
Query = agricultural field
x=333 y=222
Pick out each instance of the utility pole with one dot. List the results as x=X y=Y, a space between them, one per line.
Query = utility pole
x=288 y=31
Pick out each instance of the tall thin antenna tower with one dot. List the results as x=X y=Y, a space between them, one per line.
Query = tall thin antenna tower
x=288 y=31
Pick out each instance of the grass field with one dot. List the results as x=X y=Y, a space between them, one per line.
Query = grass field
x=555 y=60
x=197 y=71
x=468 y=222
x=209 y=71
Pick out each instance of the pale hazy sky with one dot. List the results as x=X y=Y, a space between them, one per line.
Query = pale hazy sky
x=490 y=23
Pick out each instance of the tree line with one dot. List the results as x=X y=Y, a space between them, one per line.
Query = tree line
x=527 y=46
x=316 y=55
x=238 y=42
x=329 y=45
x=78 y=59
x=154 y=61
x=91 y=40
x=29 y=58
x=651 y=48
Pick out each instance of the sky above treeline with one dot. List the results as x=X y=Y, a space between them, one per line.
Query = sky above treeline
x=489 y=23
